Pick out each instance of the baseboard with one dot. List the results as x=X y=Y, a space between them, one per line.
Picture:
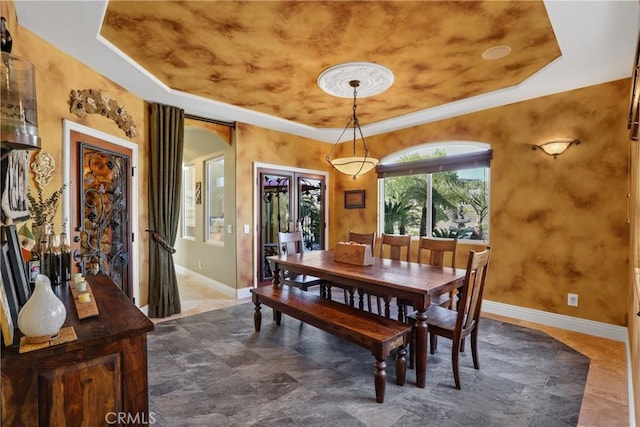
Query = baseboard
x=589 y=327
x=214 y=284
x=243 y=293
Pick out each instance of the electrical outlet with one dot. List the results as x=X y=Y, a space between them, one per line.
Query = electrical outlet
x=199 y=265
x=572 y=300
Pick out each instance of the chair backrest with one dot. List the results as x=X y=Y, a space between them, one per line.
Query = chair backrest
x=472 y=289
x=290 y=243
x=396 y=242
x=437 y=249
x=363 y=238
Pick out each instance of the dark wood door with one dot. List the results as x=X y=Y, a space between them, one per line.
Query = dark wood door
x=101 y=235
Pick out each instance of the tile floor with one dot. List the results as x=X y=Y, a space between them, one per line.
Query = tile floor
x=605 y=401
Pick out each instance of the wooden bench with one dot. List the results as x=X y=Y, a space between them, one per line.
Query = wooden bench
x=378 y=334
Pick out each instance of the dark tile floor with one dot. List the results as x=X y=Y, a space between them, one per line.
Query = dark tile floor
x=212 y=369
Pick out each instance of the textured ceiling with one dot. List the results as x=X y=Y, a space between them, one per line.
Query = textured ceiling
x=266 y=56
x=257 y=62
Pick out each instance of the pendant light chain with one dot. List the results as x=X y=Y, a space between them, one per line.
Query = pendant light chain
x=356 y=124
x=355 y=165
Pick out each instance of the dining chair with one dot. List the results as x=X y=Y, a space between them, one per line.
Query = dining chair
x=437 y=250
x=456 y=325
x=292 y=243
x=365 y=239
x=394 y=245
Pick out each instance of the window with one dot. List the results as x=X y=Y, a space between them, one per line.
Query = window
x=189 y=201
x=215 y=199
x=437 y=190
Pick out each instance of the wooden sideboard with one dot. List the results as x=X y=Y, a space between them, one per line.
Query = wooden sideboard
x=87 y=382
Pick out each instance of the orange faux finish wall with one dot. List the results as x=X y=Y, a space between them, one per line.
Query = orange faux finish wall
x=255 y=144
x=556 y=226
x=56 y=75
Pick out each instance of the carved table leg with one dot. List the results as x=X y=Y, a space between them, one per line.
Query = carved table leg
x=257 y=317
x=276 y=282
x=380 y=378
x=401 y=366
x=402 y=312
x=421 y=348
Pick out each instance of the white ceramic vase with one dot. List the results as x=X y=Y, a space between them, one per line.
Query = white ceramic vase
x=44 y=314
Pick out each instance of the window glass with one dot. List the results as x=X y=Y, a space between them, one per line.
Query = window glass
x=189 y=201
x=215 y=199
x=450 y=203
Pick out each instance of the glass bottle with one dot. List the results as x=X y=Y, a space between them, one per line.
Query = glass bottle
x=65 y=258
x=44 y=268
x=34 y=265
x=52 y=260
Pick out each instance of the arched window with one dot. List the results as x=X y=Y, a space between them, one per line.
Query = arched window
x=436 y=190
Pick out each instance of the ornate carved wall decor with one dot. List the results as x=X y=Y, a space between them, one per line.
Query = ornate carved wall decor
x=42 y=167
x=91 y=101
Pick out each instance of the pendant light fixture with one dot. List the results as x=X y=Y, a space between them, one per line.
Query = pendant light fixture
x=355 y=165
x=373 y=79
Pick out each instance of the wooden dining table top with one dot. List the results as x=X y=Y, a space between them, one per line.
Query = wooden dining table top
x=398 y=278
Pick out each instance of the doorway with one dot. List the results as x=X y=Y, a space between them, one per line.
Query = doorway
x=289 y=201
x=100 y=205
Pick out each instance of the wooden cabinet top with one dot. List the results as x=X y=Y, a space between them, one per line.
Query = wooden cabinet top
x=118 y=318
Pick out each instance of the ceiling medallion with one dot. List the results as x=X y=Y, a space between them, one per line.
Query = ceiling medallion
x=373 y=79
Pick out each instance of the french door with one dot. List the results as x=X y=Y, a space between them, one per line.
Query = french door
x=289 y=201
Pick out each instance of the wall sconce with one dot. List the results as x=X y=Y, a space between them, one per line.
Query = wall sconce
x=556 y=147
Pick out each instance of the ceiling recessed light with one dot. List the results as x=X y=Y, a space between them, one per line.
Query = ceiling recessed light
x=374 y=79
x=496 y=52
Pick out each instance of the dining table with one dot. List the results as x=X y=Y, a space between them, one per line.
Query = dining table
x=411 y=282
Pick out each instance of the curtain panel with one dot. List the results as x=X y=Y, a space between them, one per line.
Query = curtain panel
x=166 y=142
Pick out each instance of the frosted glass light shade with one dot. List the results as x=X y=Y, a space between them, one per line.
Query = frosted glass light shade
x=354 y=166
x=557 y=147
x=44 y=314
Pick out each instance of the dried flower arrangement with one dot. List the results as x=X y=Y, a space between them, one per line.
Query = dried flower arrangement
x=43 y=211
x=90 y=101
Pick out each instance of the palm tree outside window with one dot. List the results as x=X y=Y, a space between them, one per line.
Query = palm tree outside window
x=437 y=190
